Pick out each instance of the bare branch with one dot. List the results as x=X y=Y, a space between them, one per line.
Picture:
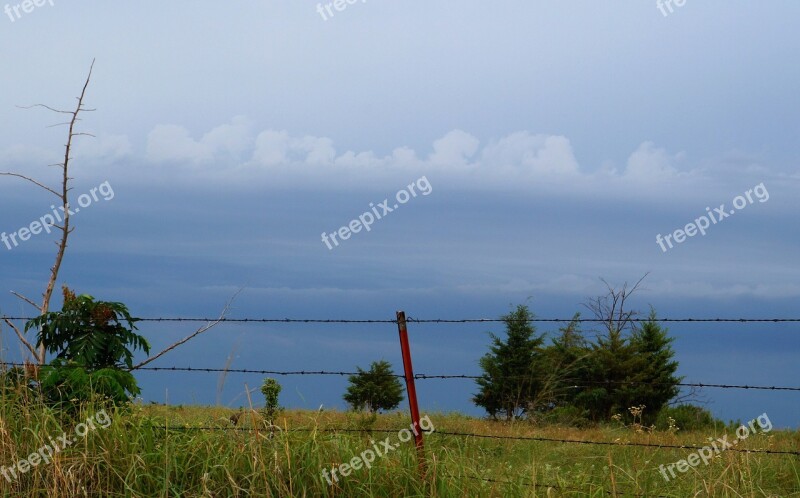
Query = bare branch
x=27 y=300
x=32 y=181
x=22 y=339
x=45 y=106
x=191 y=336
x=694 y=396
x=611 y=308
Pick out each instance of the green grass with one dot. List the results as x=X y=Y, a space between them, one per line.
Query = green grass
x=137 y=457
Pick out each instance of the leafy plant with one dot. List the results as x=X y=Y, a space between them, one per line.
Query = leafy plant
x=271 y=390
x=686 y=418
x=375 y=389
x=94 y=343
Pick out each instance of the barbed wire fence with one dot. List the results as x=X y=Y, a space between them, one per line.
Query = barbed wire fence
x=425 y=377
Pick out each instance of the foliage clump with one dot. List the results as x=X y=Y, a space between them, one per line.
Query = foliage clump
x=271 y=389
x=375 y=389
x=94 y=343
x=577 y=381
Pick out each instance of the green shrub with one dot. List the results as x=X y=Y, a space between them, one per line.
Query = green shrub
x=94 y=343
x=375 y=389
x=571 y=416
x=271 y=389
x=686 y=417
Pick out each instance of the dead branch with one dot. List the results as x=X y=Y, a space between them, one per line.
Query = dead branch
x=22 y=339
x=611 y=308
x=191 y=336
x=38 y=184
x=694 y=396
x=27 y=301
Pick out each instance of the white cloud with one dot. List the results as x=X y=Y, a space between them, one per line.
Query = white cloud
x=275 y=148
x=233 y=138
x=272 y=148
x=318 y=150
x=173 y=143
x=532 y=155
x=651 y=163
x=454 y=149
x=235 y=153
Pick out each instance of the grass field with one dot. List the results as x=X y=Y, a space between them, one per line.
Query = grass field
x=202 y=454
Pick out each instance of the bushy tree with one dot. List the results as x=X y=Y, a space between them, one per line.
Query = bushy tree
x=512 y=376
x=573 y=379
x=375 y=389
x=566 y=363
x=611 y=366
x=656 y=367
x=94 y=343
x=271 y=389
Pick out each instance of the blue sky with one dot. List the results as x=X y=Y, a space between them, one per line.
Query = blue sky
x=558 y=140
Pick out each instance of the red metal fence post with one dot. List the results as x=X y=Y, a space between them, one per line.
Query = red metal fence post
x=410 y=387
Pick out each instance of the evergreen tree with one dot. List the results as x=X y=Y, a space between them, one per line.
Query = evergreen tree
x=611 y=365
x=376 y=389
x=630 y=372
x=656 y=367
x=512 y=369
x=567 y=361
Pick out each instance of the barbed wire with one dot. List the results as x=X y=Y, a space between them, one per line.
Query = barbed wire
x=423 y=376
x=447 y=320
x=610 y=443
x=618 y=382
x=438 y=432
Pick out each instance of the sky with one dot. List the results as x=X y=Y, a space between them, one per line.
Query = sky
x=459 y=158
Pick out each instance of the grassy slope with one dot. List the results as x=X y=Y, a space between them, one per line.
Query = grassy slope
x=135 y=457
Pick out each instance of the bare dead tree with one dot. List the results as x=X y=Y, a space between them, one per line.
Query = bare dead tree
x=62 y=193
x=611 y=308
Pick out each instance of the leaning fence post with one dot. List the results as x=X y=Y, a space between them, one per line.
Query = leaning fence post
x=411 y=388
